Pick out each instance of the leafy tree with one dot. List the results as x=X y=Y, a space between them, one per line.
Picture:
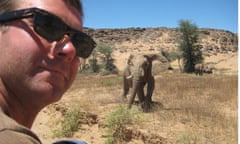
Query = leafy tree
x=108 y=61
x=104 y=53
x=190 y=50
x=93 y=62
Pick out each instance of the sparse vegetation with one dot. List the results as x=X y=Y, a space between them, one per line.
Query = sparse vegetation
x=186 y=109
x=204 y=108
x=69 y=123
x=117 y=122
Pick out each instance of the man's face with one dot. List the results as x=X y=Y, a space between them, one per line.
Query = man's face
x=33 y=69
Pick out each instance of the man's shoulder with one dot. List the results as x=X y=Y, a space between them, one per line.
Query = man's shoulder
x=11 y=132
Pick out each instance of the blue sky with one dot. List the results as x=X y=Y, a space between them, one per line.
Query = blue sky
x=217 y=14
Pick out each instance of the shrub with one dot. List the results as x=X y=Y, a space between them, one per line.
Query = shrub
x=69 y=124
x=108 y=61
x=116 y=123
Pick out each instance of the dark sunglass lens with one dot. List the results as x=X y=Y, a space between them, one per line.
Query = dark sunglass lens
x=49 y=26
x=84 y=44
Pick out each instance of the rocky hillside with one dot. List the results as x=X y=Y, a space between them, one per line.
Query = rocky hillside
x=212 y=41
x=154 y=40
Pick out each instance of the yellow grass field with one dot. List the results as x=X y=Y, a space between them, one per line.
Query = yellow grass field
x=187 y=110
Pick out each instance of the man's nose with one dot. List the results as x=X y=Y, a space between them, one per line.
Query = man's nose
x=65 y=49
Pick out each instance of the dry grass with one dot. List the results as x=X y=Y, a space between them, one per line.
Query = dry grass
x=201 y=109
x=187 y=109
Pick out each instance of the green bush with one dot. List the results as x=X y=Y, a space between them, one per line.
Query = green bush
x=117 y=121
x=69 y=124
x=108 y=61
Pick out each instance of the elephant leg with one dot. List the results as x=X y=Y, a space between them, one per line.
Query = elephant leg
x=133 y=94
x=148 y=100
x=196 y=73
x=141 y=98
x=150 y=89
x=126 y=87
x=140 y=94
x=131 y=99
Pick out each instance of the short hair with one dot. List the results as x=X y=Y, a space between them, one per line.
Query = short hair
x=9 y=5
x=77 y=4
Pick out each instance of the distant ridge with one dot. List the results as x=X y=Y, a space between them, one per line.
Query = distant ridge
x=129 y=39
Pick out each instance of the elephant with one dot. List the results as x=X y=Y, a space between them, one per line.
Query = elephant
x=138 y=73
x=198 y=69
x=208 y=69
x=201 y=68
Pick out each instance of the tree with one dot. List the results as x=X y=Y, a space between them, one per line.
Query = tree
x=189 y=47
x=103 y=55
x=108 y=61
x=93 y=62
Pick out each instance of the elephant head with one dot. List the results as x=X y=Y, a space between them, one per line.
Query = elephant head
x=137 y=74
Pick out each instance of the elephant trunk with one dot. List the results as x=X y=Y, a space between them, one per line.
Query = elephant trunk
x=133 y=93
x=137 y=89
x=137 y=86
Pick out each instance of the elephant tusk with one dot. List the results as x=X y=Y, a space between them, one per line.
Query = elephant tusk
x=129 y=77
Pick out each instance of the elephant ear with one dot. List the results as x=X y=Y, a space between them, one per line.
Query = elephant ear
x=158 y=57
x=129 y=62
x=159 y=63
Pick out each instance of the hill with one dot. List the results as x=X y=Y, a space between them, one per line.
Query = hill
x=214 y=43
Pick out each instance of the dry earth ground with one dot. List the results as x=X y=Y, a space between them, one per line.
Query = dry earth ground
x=187 y=109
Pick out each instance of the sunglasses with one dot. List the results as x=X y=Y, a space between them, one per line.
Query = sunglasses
x=52 y=28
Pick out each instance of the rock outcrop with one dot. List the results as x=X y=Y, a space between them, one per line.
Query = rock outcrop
x=212 y=41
